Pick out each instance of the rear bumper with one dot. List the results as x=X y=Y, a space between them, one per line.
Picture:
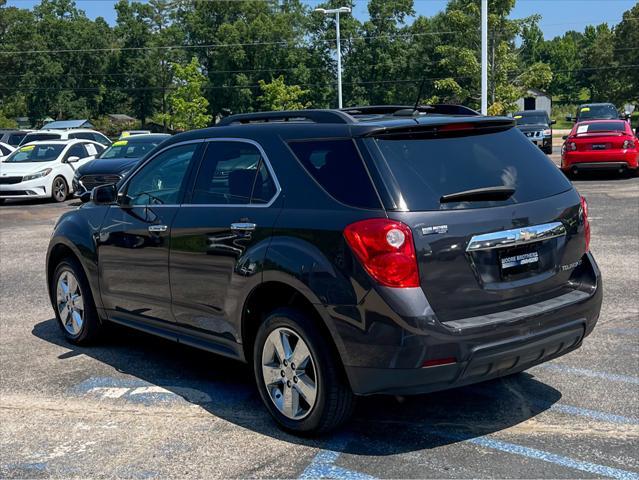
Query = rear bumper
x=386 y=355
x=600 y=160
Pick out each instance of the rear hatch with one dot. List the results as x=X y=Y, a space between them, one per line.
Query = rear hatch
x=496 y=225
x=594 y=136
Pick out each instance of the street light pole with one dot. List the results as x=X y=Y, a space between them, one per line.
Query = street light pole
x=484 y=57
x=337 y=11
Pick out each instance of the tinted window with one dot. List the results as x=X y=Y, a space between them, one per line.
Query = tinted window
x=100 y=139
x=36 y=153
x=36 y=137
x=82 y=135
x=531 y=119
x=601 y=127
x=597 y=111
x=15 y=139
x=227 y=173
x=264 y=188
x=77 y=151
x=4 y=150
x=162 y=180
x=338 y=168
x=428 y=168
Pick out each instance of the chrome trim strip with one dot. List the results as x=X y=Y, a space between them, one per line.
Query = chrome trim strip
x=516 y=236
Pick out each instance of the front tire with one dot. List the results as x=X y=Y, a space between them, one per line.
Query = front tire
x=59 y=189
x=299 y=377
x=73 y=303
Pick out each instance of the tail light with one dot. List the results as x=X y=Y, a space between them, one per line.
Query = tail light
x=386 y=250
x=628 y=144
x=584 y=213
x=572 y=146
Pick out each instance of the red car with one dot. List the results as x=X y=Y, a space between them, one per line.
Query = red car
x=600 y=144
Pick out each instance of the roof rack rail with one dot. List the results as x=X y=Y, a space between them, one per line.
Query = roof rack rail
x=316 y=116
x=409 y=110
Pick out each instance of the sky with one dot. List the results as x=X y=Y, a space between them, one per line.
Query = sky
x=558 y=16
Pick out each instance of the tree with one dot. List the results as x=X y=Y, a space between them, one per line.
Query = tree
x=187 y=106
x=627 y=55
x=276 y=95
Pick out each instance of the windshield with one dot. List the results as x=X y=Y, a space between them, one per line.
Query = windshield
x=427 y=169
x=36 y=153
x=598 y=111
x=528 y=119
x=37 y=137
x=126 y=149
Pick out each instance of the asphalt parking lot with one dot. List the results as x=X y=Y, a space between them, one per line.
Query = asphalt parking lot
x=139 y=407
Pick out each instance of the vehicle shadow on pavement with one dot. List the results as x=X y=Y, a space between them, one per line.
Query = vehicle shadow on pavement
x=381 y=425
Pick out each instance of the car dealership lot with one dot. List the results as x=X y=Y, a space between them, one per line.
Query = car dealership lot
x=138 y=406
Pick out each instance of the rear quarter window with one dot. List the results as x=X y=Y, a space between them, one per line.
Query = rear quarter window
x=425 y=169
x=337 y=166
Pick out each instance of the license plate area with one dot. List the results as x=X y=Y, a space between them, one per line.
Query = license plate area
x=599 y=146
x=517 y=262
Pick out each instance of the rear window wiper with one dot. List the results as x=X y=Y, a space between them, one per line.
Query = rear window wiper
x=479 y=194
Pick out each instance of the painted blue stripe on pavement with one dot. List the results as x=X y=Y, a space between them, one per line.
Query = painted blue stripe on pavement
x=322 y=466
x=553 y=458
x=594 y=414
x=613 y=377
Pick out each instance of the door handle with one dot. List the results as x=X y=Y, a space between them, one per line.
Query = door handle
x=243 y=227
x=158 y=228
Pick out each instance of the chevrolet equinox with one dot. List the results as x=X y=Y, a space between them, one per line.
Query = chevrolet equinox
x=339 y=252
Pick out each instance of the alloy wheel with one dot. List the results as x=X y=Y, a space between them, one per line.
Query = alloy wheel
x=70 y=302
x=59 y=190
x=289 y=373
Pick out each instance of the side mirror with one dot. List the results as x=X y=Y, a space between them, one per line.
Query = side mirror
x=565 y=137
x=72 y=159
x=552 y=122
x=104 y=195
x=85 y=197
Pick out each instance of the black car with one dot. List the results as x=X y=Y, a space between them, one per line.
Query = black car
x=12 y=137
x=537 y=126
x=115 y=162
x=338 y=255
x=595 y=111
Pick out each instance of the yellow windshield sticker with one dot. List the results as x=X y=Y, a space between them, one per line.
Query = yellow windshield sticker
x=27 y=148
x=585 y=109
x=125 y=134
x=519 y=116
x=120 y=143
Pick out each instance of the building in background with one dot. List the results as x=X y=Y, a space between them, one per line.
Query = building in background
x=535 y=100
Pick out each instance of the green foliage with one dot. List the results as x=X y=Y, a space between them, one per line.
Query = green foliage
x=276 y=54
x=7 y=122
x=276 y=95
x=187 y=105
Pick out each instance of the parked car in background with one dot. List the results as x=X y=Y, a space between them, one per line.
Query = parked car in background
x=338 y=254
x=595 y=111
x=131 y=133
x=113 y=164
x=5 y=150
x=71 y=134
x=537 y=126
x=44 y=169
x=12 y=137
x=600 y=145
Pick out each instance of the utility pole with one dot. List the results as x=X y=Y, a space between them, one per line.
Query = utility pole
x=484 y=57
x=337 y=11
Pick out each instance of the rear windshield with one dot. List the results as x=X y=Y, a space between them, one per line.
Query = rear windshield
x=425 y=169
x=602 y=127
x=531 y=119
x=598 y=111
x=36 y=137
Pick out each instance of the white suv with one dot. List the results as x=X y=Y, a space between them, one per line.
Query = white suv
x=76 y=133
x=44 y=169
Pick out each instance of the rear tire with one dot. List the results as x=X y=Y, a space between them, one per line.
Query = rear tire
x=311 y=397
x=59 y=189
x=73 y=303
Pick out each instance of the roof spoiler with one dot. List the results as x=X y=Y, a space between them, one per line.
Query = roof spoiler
x=445 y=126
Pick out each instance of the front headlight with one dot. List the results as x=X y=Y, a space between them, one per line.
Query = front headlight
x=547 y=133
x=40 y=174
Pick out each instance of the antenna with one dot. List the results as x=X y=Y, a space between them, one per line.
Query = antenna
x=419 y=94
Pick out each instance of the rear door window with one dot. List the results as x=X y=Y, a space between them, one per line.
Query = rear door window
x=337 y=166
x=427 y=168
